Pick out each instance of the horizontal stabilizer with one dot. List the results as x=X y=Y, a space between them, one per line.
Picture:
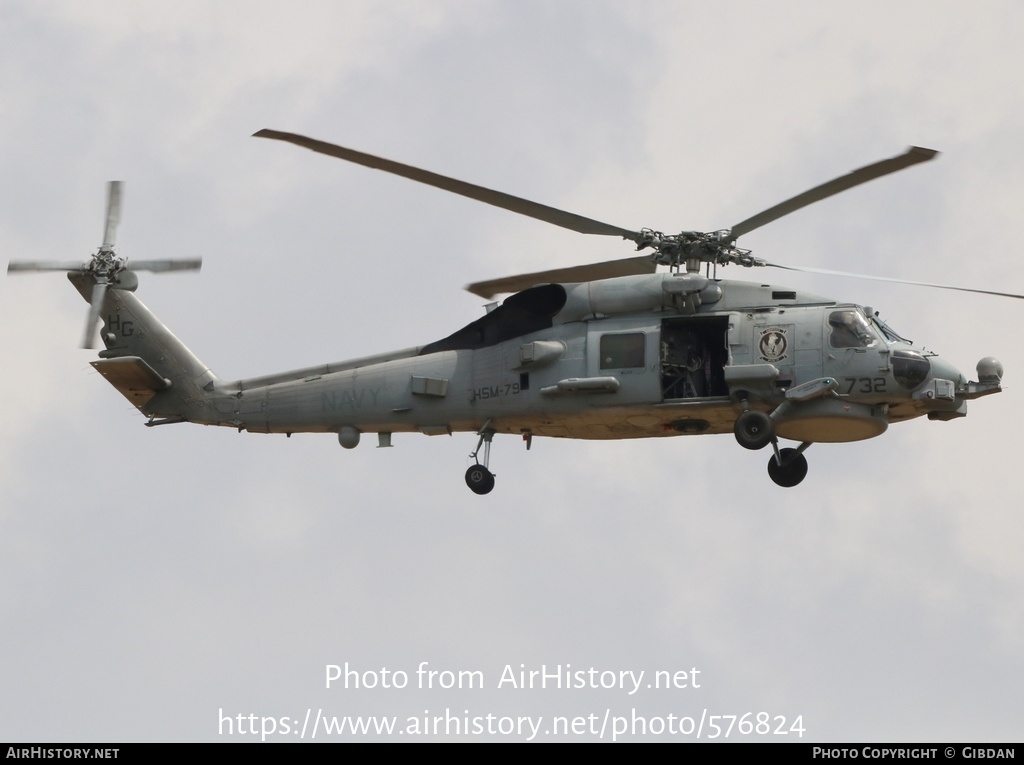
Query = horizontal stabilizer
x=134 y=378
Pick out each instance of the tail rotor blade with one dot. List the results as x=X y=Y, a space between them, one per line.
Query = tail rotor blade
x=113 y=214
x=26 y=266
x=99 y=291
x=162 y=266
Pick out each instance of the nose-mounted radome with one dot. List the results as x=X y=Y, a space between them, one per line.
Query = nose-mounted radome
x=946 y=391
x=990 y=370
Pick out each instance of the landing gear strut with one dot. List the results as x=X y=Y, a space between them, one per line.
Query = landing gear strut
x=755 y=430
x=478 y=478
x=788 y=467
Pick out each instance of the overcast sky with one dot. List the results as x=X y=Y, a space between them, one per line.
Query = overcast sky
x=152 y=580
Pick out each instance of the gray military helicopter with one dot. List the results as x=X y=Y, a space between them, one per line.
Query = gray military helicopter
x=601 y=351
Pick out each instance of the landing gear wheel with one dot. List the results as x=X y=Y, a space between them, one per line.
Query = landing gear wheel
x=479 y=479
x=754 y=430
x=792 y=470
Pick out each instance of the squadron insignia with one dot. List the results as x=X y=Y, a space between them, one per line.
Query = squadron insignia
x=773 y=344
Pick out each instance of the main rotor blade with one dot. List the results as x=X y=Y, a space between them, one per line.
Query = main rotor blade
x=588 y=273
x=897 y=281
x=98 y=291
x=163 y=266
x=113 y=214
x=500 y=199
x=25 y=266
x=912 y=156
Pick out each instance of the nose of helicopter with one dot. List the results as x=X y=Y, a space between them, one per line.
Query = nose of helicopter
x=946 y=391
x=943 y=370
x=939 y=393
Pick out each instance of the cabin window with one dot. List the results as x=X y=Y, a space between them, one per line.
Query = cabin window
x=624 y=351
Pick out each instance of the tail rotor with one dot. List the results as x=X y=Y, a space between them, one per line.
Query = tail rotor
x=105 y=268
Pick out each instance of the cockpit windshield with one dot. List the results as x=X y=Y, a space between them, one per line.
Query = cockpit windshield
x=890 y=335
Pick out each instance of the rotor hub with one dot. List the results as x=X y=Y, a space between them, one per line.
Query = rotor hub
x=105 y=263
x=691 y=248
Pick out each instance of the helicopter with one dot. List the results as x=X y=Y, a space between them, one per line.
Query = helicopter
x=609 y=350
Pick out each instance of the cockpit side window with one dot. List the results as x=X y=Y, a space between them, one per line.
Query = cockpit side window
x=850 y=330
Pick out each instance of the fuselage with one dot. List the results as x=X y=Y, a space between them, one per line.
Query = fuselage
x=631 y=357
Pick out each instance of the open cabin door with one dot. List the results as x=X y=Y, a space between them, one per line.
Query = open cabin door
x=693 y=353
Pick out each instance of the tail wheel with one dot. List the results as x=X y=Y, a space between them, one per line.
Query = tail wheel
x=479 y=479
